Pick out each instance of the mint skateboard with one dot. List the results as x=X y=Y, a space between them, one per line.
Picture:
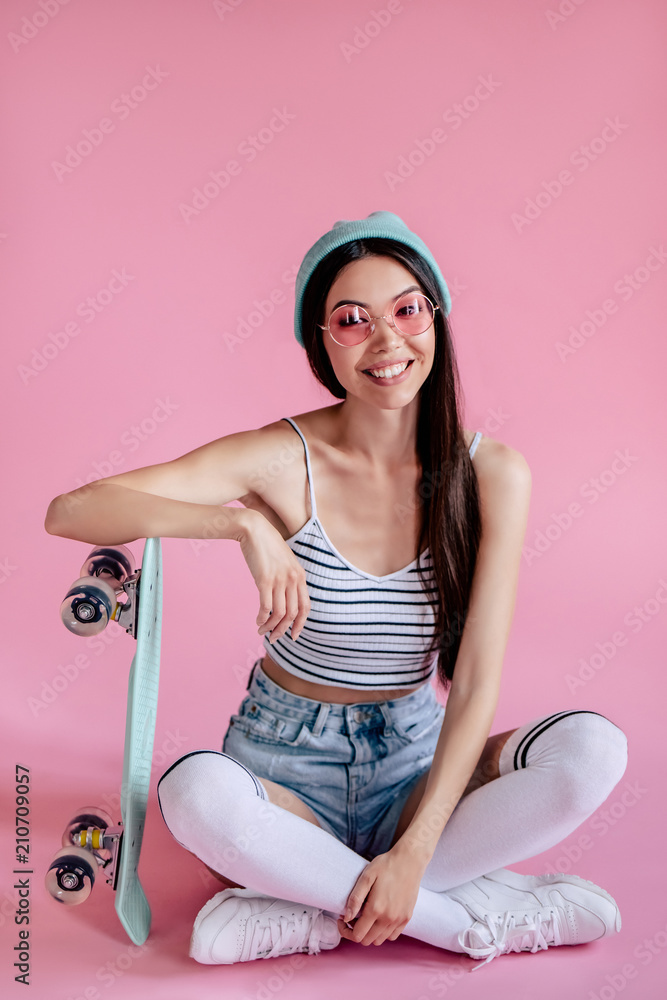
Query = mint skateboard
x=91 y=842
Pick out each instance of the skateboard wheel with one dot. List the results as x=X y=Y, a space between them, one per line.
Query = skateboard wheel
x=114 y=564
x=85 y=818
x=88 y=606
x=71 y=876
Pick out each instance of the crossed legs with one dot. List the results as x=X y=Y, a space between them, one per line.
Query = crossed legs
x=487 y=769
x=551 y=775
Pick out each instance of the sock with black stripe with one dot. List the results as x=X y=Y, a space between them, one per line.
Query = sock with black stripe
x=219 y=810
x=554 y=773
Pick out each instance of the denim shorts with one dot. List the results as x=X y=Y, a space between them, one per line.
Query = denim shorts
x=353 y=765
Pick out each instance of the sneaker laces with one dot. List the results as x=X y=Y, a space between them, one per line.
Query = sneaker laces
x=533 y=934
x=283 y=934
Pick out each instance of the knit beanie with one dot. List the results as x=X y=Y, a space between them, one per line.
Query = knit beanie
x=385 y=224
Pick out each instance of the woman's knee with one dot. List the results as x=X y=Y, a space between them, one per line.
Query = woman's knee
x=597 y=758
x=188 y=788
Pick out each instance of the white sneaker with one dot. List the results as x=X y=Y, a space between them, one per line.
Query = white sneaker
x=514 y=912
x=239 y=925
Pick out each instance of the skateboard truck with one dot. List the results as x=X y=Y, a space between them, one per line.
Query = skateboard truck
x=92 y=600
x=103 y=839
x=89 y=835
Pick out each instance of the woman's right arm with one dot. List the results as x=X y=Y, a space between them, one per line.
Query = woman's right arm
x=186 y=498
x=107 y=513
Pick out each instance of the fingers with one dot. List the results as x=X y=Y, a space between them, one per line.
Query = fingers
x=367 y=923
x=360 y=891
x=368 y=930
x=399 y=930
x=304 y=608
x=357 y=910
x=363 y=925
x=356 y=898
x=282 y=607
x=285 y=607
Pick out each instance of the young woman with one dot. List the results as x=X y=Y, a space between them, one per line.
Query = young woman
x=346 y=801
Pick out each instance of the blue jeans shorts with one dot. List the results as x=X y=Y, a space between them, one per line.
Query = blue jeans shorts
x=353 y=765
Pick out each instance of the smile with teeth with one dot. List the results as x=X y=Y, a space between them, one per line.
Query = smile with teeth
x=388 y=372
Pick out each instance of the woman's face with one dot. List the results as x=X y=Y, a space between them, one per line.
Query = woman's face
x=376 y=283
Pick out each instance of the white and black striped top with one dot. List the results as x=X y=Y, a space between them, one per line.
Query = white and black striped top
x=363 y=631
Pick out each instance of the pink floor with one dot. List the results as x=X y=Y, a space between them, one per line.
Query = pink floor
x=82 y=952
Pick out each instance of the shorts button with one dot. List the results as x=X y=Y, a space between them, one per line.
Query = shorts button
x=359 y=716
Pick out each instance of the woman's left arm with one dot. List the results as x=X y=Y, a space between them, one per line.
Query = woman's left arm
x=504 y=482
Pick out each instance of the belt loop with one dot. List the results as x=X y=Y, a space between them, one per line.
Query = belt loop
x=388 y=721
x=252 y=673
x=321 y=718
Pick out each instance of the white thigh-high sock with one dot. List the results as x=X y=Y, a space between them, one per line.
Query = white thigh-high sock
x=218 y=809
x=554 y=773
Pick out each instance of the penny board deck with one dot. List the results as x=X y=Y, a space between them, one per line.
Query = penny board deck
x=142 y=698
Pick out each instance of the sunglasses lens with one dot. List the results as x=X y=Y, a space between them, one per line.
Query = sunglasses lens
x=413 y=314
x=349 y=325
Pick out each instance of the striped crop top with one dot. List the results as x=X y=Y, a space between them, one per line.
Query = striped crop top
x=362 y=631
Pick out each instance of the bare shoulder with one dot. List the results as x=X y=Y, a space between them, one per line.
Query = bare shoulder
x=314 y=424
x=504 y=479
x=279 y=454
x=494 y=457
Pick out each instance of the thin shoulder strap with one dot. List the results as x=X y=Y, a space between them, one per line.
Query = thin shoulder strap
x=313 y=505
x=475 y=441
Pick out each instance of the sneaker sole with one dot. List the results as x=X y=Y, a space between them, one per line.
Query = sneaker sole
x=518 y=881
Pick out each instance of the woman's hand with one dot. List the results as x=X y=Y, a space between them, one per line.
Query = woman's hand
x=280 y=578
x=384 y=897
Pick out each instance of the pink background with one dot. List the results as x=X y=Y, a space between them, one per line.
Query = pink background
x=356 y=101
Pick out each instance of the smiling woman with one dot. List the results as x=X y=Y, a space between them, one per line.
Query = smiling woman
x=386 y=559
x=421 y=793
x=421 y=405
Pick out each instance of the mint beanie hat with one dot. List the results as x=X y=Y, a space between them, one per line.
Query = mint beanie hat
x=385 y=224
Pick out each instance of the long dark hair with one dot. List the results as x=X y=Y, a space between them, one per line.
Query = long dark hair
x=447 y=491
